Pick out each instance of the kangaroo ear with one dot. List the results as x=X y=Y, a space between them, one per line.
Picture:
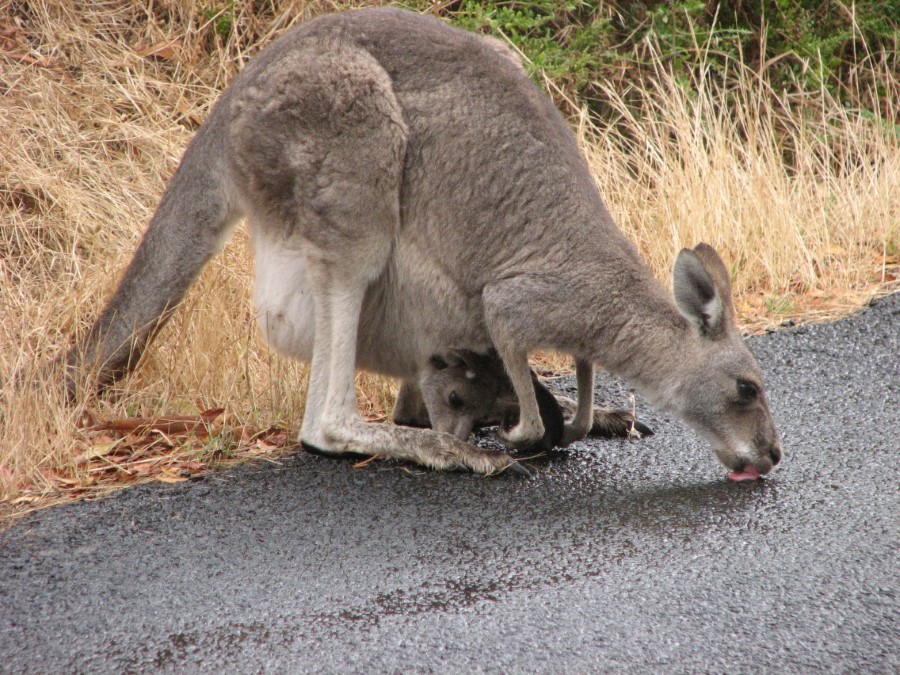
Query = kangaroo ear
x=703 y=290
x=719 y=273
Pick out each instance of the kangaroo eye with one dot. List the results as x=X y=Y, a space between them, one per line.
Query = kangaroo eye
x=747 y=390
x=455 y=401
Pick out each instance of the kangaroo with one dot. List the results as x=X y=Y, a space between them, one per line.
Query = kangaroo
x=409 y=190
x=463 y=390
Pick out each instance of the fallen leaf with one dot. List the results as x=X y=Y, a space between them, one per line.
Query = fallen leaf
x=98 y=450
x=176 y=424
x=41 y=61
x=168 y=477
x=211 y=415
x=264 y=445
x=245 y=433
x=278 y=438
x=161 y=50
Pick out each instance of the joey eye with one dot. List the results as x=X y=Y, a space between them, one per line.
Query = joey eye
x=747 y=390
x=455 y=401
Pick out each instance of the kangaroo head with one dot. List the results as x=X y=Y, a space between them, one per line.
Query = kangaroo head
x=463 y=389
x=719 y=389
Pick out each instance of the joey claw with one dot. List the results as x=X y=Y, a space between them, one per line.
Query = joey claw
x=459 y=467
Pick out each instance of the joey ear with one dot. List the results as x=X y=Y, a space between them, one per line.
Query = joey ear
x=438 y=363
x=696 y=293
x=472 y=360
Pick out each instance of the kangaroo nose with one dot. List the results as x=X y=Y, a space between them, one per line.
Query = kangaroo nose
x=775 y=454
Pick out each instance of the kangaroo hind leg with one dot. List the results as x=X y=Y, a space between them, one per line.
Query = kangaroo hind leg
x=332 y=424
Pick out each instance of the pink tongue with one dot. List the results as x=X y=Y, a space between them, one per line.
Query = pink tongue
x=749 y=472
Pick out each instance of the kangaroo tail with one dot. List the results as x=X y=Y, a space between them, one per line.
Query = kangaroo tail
x=194 y=218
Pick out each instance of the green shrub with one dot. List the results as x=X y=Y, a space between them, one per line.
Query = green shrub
x=803 y=46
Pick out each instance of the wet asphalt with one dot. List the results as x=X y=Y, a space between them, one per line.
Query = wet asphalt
x=619 y=556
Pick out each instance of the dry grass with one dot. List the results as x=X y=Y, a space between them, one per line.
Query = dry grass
x=99 y=100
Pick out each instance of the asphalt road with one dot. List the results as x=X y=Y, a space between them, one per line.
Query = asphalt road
x=621 y=556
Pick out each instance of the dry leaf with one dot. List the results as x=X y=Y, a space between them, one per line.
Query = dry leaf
x=161 y=50
x=264 y=445
x=169 y=477
x=98 y=450
x=177 y=424
x=41 y=61
x=245 y=433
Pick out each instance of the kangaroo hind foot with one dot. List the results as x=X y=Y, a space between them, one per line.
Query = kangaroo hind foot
x=431 y=449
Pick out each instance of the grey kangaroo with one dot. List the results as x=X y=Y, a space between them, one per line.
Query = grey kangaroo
x=409 y=191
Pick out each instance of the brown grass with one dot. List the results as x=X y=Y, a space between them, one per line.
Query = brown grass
x=99 y=100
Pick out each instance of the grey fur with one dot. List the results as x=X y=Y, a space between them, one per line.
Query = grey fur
x=410 y=191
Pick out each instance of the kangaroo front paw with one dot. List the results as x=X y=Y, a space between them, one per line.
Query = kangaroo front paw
x=618 y=424
x=518 y=436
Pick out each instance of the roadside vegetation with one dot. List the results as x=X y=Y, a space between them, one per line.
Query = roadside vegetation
x=768 y=131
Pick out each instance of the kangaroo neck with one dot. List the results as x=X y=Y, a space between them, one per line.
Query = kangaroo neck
x=643 y=338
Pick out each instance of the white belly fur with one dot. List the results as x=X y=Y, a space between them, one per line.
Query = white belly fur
x=284 y=303
x=398 y=333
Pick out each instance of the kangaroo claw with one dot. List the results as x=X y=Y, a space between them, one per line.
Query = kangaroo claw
x=642 y=429
x=517 y=468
